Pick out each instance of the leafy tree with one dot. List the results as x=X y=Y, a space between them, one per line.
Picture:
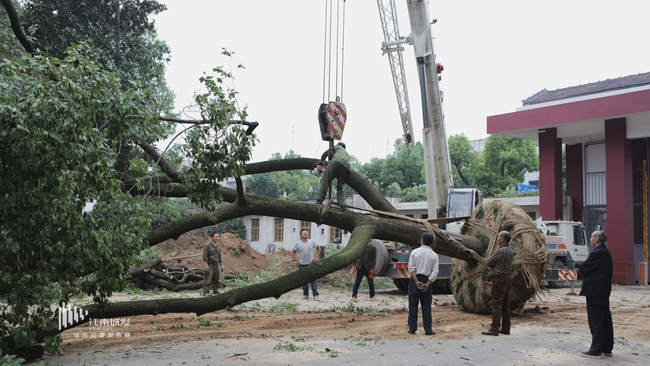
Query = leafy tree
x=53 y=159
x=372 y=170
x=262 y=184
x=164 y=210
x=462 y=156
x=414 y=194
x=503 y=163
x=405 y=166
x=234 y=226
x=291 y=185
x=55 y=155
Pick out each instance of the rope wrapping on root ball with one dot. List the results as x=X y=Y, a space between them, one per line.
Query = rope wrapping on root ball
x=469 y=282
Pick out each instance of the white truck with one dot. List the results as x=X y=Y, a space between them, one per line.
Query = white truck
x=566 y=242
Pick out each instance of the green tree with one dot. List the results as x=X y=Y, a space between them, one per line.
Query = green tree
x=56 y=154
x=122 y=31
x=262 y=184
x=372 y=170
x=404 y=166
x=503 y=164
x=291 y=185
x=462 y=156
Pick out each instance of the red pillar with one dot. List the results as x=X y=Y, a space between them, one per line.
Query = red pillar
x=574 y=177
x=620 y=216
x=550 y=175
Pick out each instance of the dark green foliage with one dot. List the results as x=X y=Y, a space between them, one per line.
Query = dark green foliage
x=234 y=226
x=292 y=185
x=53 y=159
x=503 y=164
x=462 y=156
x=507 y=227
x=484 y=240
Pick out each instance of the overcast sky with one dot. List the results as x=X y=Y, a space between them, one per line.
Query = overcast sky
x=495 y=54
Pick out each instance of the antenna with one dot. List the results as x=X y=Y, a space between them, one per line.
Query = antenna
x=293 y=137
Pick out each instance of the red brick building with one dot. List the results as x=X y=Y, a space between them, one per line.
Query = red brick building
x=605 y=128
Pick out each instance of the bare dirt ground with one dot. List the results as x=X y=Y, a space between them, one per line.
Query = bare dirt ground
x=552 y=330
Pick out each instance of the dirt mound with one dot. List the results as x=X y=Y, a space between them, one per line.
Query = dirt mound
x=237 y=255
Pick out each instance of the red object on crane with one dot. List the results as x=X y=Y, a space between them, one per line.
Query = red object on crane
x=331 y=119
x=439 y=68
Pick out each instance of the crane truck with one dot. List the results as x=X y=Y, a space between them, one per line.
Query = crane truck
x=443 y=199
x=565 y=240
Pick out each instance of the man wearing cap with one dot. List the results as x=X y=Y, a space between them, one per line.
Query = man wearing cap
x=339 y=169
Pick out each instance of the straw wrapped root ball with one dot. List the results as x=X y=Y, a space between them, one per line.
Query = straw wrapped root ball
x=470 y=284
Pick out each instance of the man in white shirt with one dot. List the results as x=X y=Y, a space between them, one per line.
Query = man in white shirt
x=303 y=254
x=423 y=266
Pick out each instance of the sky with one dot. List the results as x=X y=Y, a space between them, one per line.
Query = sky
x=495 y=54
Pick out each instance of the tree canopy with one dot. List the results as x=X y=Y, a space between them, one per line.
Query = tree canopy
x=503 y=164
x=67 y=125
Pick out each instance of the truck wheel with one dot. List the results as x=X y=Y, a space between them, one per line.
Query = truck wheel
x=402 y=284
x=444 y=284
x=382 y=260
x=557 y=264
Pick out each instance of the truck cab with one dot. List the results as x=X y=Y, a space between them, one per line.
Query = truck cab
x=566 y=243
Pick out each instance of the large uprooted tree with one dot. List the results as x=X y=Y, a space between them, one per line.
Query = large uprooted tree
x=71 y=132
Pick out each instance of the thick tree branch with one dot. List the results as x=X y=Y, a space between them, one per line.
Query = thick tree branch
x=249 y=131
x=390 y=228
x=356 y=181
x=199 y=306
x=158 y=158
x=241 y=197
x=15 y=26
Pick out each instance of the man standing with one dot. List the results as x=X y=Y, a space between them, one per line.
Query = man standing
x=597 y=286
x=423 y=266
x=303 y=254
x=365 y=266
x=500 y=265
x=212 y=256
x=339 y=169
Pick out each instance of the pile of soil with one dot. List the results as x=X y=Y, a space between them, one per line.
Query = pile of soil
x=237 y=255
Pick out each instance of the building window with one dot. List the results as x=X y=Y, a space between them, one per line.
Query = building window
x=255 y=229
x=278 y=232
x=305 y=225
x=335 y=233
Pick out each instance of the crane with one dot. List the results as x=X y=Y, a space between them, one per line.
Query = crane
x=443 y=199
x=437 y=165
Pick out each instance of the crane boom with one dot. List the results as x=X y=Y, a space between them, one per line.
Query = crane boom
x=392 y=46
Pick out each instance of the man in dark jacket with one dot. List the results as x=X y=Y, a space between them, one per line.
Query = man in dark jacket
x=365 y=266
x=597 y=286
x=339 y=169
x=212 y=257
x=500 y=265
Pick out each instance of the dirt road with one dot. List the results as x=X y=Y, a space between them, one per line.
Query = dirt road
x=552 y=331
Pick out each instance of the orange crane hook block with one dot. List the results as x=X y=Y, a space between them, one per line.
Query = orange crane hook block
x=331 y=119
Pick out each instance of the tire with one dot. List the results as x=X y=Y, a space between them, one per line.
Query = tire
x=444 y=285
x=382 y=260
x=402 y=284
x=557 y=264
